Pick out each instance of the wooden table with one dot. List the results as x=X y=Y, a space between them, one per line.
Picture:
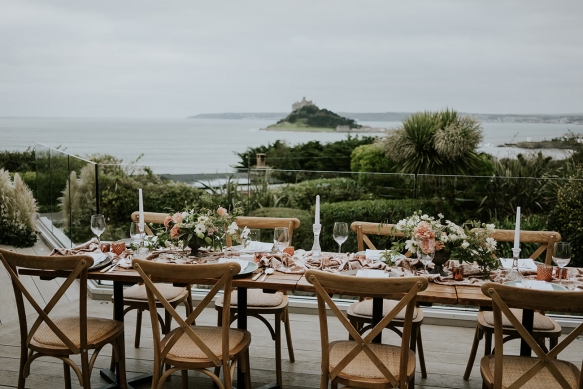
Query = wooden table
x=435 y=293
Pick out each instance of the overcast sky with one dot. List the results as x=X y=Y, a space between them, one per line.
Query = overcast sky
x=141 y=58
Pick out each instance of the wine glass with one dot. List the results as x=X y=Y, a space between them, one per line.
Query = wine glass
x=280 y=238
x=562 y=256
x=136 y=233
x=98 y=226
x=340 y=234
x=427 y=253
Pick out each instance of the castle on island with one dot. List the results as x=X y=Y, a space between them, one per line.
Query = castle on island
x=300 y=104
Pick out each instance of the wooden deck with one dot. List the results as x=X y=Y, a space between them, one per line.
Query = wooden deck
x=446 y=347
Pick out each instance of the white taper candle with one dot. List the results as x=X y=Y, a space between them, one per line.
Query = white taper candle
x=517 y=229
x=141 y=209
x=317 y=219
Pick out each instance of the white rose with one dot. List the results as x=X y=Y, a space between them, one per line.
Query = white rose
x=232 y=228
x=465 y=245
x=490 y=227
x=245 y=233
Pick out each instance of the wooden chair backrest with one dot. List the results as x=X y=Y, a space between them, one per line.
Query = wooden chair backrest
x=328 y=283
x=77 y=265
x=546 y=239
x=150 y=217
x=291 y=223
x=504 y=296
x=188 y=274
x=363 y=229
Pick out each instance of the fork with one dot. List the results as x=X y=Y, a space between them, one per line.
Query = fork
x=255 y=277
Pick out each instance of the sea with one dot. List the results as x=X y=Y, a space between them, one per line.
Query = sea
x=210 y=146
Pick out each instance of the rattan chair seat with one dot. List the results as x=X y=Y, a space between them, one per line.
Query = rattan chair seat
x=541 y=322
x=362 y=366
x=256 y=298
x=364 y=308
x=515 y=366
x=97 y=328
x=170 y=292
x=186 y=348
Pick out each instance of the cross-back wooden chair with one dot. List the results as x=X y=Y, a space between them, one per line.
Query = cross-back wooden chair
x=360 y=362
x=544 y=327
x=62 y=337
x=260 y=303
x=543 y=370
x=190 y=346
x=360 y=312
x=135 y=296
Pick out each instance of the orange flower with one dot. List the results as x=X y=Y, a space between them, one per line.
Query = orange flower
x=221 y=211
x=424 y=231
x=177 y=217
x=439 y=245
x=175 y=232
x=167 y=221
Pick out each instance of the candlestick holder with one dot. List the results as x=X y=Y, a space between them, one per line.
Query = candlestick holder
x=316 y=250
x=514 y=273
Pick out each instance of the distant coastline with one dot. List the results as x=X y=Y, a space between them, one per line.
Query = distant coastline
x=575 y=119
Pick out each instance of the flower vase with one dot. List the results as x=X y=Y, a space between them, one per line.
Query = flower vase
x=194 y=246
x=441 y=257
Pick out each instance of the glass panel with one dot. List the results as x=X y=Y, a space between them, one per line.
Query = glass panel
x=46 y=203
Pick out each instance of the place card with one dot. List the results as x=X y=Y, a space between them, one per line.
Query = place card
x=372 y=273
x=523 y=264
x=254 y=246
x=374 y=255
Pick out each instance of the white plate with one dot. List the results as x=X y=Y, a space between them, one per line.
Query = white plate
x=520 y=285
x=246 y=266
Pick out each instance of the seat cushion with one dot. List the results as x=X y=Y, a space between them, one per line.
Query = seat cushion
x=362 y=366
x=211 y=336
x=96 y=329
x=514 y=367
x=256 y=298
x=170 y=292
x=364 y=308
x=541 y=322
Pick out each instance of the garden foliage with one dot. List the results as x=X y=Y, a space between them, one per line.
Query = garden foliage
x=17 y=212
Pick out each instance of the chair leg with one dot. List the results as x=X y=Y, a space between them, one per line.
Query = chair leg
x=488 y=343
x=85 y=372
x=246 y=366
x=219 y=324
x=184 y=374
x=138 y=329
x=278 y=349
x=67 y=373
x=290 y=347
x=23 y=359
x=473 y=352
x=421 y=353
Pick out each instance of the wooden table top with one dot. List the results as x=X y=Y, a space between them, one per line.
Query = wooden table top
x=435 y=293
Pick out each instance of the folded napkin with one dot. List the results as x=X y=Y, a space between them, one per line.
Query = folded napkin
x=98 y=258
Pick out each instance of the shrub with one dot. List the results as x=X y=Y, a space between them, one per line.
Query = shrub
x=435 y=143
x=375 y=211
x=567 y=215
x=303 y=237
x=527 y=223
x=370 y=158
x=303 y=194
x=17 y=212
x=18 y=161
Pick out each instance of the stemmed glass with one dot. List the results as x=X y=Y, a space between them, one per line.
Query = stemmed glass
x=427 y=253
x=98 y=226
x=137 y=233
x=280 y=238
x=562 y=256
x=340 y=234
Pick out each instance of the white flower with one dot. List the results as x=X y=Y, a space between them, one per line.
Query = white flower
x=490 y=227
x=232 y=228
x=184 y=215
x=465 y=245
x=491 y=242
x=440 y=215
x=199 y=229
x=203 y=219
x=453 y=237
x=474 y=252
x=245 y=233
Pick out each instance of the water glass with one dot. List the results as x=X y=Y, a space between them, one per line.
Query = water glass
x=280 y=239
x=137 y=233
x=98 y=226
x=562 y=254
x=340 y=234
x=544 y=272
x=253 y=236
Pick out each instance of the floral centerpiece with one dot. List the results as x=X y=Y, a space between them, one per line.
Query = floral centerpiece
x=425 y=235
x=202 y=227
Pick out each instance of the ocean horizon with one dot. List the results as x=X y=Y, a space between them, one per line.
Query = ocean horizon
x=186 y=146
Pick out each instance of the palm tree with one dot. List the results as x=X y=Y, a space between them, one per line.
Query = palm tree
x=435 y=143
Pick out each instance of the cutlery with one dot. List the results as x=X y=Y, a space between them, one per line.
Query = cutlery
x=107 y=268
x=114 y=266
x=258 y=275
x=267 y=272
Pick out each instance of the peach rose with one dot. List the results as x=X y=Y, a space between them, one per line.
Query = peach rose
x=221 y=211
x=175 y=232
x=177 y=217
x=439 y=245
x=167 y=221
x=427 y=246
x=424 y=231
